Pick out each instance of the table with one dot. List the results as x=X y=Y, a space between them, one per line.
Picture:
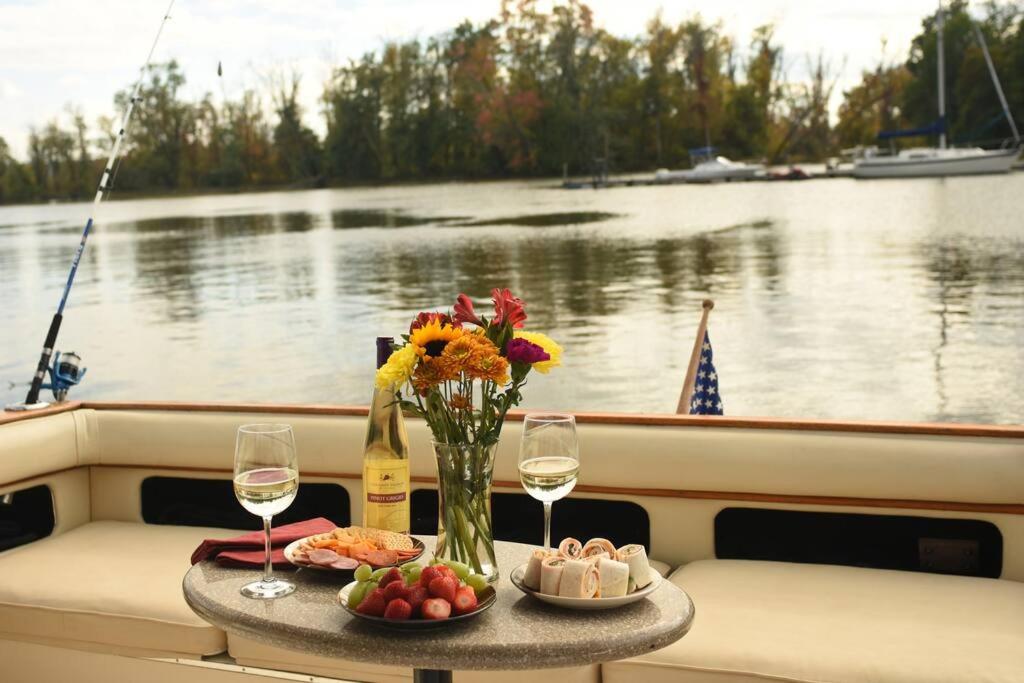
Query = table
x=518 y=632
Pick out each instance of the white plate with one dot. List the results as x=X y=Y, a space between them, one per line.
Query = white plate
x=291 y=548
x=587 y=603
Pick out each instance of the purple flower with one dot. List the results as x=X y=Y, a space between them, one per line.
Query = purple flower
x=522 y=351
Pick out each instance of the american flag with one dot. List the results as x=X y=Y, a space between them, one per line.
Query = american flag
x=706 y=400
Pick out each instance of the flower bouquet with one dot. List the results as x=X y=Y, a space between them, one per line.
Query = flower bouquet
x=461 y=372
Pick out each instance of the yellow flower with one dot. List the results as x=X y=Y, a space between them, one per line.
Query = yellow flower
x=546 y=343
x=398 y=369
x=430 y=340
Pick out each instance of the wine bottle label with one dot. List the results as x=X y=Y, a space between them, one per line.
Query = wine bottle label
x=386 y=495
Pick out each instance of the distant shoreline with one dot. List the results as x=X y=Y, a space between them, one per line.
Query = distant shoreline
x=126 y=195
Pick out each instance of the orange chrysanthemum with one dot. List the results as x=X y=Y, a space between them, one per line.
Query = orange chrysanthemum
x=490 y=366
x=460 y=402
x=429 y=374
x=461 y=353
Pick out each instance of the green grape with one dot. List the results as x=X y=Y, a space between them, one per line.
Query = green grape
x=409 y=566
x=379 y=574
x=363 y=572
x=461 y=570
x=414 y=574
x=358 y=592
x=478 y=582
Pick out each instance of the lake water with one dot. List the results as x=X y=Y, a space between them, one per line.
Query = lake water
x=835 y=298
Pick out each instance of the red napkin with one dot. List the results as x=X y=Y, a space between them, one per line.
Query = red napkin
x=247 y=550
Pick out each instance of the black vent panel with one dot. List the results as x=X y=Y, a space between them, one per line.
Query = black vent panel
x=921 y=544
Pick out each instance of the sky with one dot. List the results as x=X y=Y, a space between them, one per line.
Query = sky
x=60 y=53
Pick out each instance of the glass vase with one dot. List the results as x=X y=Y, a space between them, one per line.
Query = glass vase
x=464 y=531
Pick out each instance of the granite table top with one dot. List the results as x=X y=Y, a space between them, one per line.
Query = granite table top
x=517 y=632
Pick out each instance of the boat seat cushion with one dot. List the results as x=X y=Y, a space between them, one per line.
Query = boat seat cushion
x=802 y=623
x=250 y=653
x=108 y=587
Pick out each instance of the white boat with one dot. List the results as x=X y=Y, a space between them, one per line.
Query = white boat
x=711 y=168
x=803 y=544
x=931 y=161
x=940 y=161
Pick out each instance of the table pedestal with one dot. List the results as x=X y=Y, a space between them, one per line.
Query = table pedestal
x=431 y=676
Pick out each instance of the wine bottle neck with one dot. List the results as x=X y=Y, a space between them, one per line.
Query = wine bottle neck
x=383 y=350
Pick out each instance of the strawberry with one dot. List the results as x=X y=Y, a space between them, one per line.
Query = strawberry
x=429 y=574
x=435 y=608
x=398 y=609
x=445 y=570
x=443 y=587
x=417 y=594
x=396 y=590
x=465 y=600
x=373 y=604
x=393 y=574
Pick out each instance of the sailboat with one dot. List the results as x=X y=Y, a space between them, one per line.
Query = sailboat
x=942 y=160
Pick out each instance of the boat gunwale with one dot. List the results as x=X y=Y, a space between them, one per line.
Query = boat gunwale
x=954 y=429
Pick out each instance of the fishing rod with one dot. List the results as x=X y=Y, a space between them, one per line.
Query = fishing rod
x=106 y=183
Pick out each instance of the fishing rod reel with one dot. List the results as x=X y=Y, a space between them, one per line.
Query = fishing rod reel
x=65 y=372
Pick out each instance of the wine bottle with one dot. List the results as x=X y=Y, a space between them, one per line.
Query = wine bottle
x=386 y=459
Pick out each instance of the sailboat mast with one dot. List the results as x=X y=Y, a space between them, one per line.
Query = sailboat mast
x=939 y=23
x=995 y=81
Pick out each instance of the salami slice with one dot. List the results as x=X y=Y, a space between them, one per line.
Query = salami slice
x=345 y=563
x=323 y=557
x=381 y=558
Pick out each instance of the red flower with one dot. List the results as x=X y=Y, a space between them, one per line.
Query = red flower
x=427 y=318
x=507 y=308
x=464 y=312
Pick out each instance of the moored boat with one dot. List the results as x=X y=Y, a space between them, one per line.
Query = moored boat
x=940 y=161
x=929 y=161
x=902 y=540
x=710 y=167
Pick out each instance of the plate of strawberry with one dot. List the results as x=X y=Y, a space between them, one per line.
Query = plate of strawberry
x=417 y=597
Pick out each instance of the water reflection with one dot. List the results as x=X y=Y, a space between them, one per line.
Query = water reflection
x=969 y=279
x=544 y=220
x=834 y=299
x=347 y=219
x=583 y=275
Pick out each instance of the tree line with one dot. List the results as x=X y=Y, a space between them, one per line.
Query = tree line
x=529 y=93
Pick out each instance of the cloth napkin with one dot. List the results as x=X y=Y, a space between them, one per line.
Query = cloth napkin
x=247 y=550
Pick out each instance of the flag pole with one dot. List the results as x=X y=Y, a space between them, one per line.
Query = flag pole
x=691 y=371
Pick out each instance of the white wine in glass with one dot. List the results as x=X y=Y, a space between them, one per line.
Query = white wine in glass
x=266 y=481
x=549 y=461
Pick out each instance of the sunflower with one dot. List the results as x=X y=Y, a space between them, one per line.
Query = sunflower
x=431 y=339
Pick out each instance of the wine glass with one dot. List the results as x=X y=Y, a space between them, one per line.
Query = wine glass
x=549 y=461
x=266 y=481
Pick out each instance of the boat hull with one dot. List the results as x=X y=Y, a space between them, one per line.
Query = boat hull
x=895 y=167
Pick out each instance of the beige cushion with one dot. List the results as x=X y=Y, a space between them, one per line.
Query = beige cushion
x=107 y=586
x=798 y=622
x=250 y=653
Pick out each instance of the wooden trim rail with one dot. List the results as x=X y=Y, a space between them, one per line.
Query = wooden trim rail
x=587 y=417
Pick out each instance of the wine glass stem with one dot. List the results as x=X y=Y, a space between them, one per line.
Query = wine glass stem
x=547 y=525
x=268 y=576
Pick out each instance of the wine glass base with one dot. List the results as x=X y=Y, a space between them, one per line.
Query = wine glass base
x=267 y=590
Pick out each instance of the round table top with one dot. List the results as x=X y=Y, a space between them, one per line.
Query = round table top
x=517 y=632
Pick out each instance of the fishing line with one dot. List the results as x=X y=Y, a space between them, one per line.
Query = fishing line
x=105 y=185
